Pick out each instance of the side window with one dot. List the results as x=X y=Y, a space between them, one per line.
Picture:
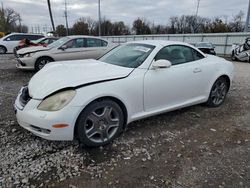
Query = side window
x=33 y=37
x=51 y=41
x=10 y=38
x=14 y=38
x=188 y=53
x=176 y=54
x=75 y=43
x=20 y=37
x=104 y=43
x=46 y=41
x=91 y=42
x=197 y=55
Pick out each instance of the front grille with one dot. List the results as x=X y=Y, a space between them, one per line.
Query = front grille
x=24 y=97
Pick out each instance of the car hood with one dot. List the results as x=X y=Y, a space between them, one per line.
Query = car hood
x=32 y=49
x=67 y=74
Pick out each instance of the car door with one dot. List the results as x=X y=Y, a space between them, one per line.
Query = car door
x=178 y=85
x=73 y=51
x=12 y=41
x=94 y=48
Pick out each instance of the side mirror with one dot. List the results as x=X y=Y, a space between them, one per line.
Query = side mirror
x=63 y=47
x=161 y=63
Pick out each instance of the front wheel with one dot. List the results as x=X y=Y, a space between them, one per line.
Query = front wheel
x=218 y=92
x=41 y=62
x=2 y=50
x=100 y=123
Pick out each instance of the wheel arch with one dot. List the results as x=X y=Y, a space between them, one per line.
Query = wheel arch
x=115 y=99
x=227 y=78
x=44 y=56
x=208 y=89
x=37 y=60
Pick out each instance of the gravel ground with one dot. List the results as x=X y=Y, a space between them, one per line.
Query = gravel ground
x=191 y=147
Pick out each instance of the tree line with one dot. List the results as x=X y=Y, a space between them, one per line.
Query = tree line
x=10 y=21
x=177 y=25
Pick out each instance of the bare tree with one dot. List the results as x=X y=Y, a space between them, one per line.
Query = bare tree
x=236 y=25
x=91 y=25
x=141 y=26
x=80 y=27
x=61 y=30
x=9 y=20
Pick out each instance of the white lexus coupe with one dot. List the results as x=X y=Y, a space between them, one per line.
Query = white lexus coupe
x=93 y=100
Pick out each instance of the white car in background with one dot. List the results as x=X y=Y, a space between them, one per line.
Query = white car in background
x=67 y=48
x=9 y=42
x=94 y=100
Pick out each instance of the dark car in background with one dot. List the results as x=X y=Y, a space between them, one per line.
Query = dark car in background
x=206 y=47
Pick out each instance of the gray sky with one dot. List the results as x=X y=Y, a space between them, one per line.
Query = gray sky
x=35 y=12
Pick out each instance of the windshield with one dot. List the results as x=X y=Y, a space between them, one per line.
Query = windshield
x=39 y=40
x=58 y=43
x=129 y=55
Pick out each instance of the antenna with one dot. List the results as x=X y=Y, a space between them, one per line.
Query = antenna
x=66 y=18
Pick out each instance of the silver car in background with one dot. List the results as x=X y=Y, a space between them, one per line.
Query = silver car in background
x=66 y=48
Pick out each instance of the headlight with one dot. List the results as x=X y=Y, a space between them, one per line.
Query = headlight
x=29 y=54
x=57 y=101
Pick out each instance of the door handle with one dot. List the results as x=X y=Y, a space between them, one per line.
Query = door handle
x=196 y=70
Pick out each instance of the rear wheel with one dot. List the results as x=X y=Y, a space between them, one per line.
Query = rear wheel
x=3 y=50
x=100 y=123
x=218 y=92
x=41 y=62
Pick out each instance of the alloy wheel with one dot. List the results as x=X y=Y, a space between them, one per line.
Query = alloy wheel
x=218 y=92
x=2 y=50
x=102 y=124
x=42 y=63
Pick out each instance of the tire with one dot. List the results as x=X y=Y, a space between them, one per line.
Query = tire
x=15 y=50
x=41 y=62
x=100 y=123
x=233 y=58
x=218 y=92
x=3 y=50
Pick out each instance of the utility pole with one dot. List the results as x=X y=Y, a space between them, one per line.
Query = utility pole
x=50 y=14
x=20 y=24
x=247 y=19
x=99 y=15
x=66 y=18
x=196 y=16
x=197 y=9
